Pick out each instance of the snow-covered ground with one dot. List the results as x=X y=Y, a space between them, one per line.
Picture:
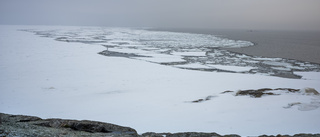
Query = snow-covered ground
x=48 y=78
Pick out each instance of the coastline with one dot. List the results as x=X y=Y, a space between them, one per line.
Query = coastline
x=23 y=125
x=298 y=45
x=72 y=81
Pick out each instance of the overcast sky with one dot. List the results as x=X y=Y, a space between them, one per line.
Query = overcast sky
x=238 y=14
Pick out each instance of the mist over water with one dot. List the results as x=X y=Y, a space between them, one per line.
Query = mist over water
x=241 y=14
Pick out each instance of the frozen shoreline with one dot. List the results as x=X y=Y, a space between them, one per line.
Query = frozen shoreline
x=298 y=45
x=22 y=125
x=48 y=78
x=199 y=52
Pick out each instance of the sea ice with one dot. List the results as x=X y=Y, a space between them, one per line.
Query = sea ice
x=170 y=48
x=284 y=64
x=194 y=66
x=189 y=53
x=232 y=68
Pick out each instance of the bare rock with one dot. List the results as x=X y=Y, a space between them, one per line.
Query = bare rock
x=260 y=92
x=20 y=125
x=30 y=126
x=255 y=93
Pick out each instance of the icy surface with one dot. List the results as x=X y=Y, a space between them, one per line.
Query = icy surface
x=232 y=68
x=49 y=78
x=171 y=48
x=194 y=66
x=189 y=53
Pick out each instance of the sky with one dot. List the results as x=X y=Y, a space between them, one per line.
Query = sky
x=225 y=14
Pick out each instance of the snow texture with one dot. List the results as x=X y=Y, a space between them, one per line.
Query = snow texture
x=45 y=77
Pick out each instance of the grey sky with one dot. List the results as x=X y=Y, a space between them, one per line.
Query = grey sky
x=241 y=14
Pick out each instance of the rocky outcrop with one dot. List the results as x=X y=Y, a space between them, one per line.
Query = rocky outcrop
x=30 y=126
x=257 y=93
x=264 y=91
x=20 y=125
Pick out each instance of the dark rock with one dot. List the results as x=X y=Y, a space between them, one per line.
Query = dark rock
x=88 y=126
x=288 y=89
x=197 y=101
x=259 y=92
x=20 y=125
x=228 y=91
x=209 y=97
x=29 y=118
x=254 y=93
x=25 y=126
x=201 y=100
x=264 y=89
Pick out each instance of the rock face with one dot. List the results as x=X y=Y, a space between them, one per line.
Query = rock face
x=85 y=125
x=19 y=125
x=30 y=126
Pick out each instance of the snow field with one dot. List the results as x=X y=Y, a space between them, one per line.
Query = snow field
x=48 y=78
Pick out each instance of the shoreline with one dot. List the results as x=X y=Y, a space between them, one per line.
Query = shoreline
x=24 y=125
x=297 y=45
x=72 y=81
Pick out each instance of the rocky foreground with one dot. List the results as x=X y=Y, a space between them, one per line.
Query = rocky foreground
x=25 y=126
